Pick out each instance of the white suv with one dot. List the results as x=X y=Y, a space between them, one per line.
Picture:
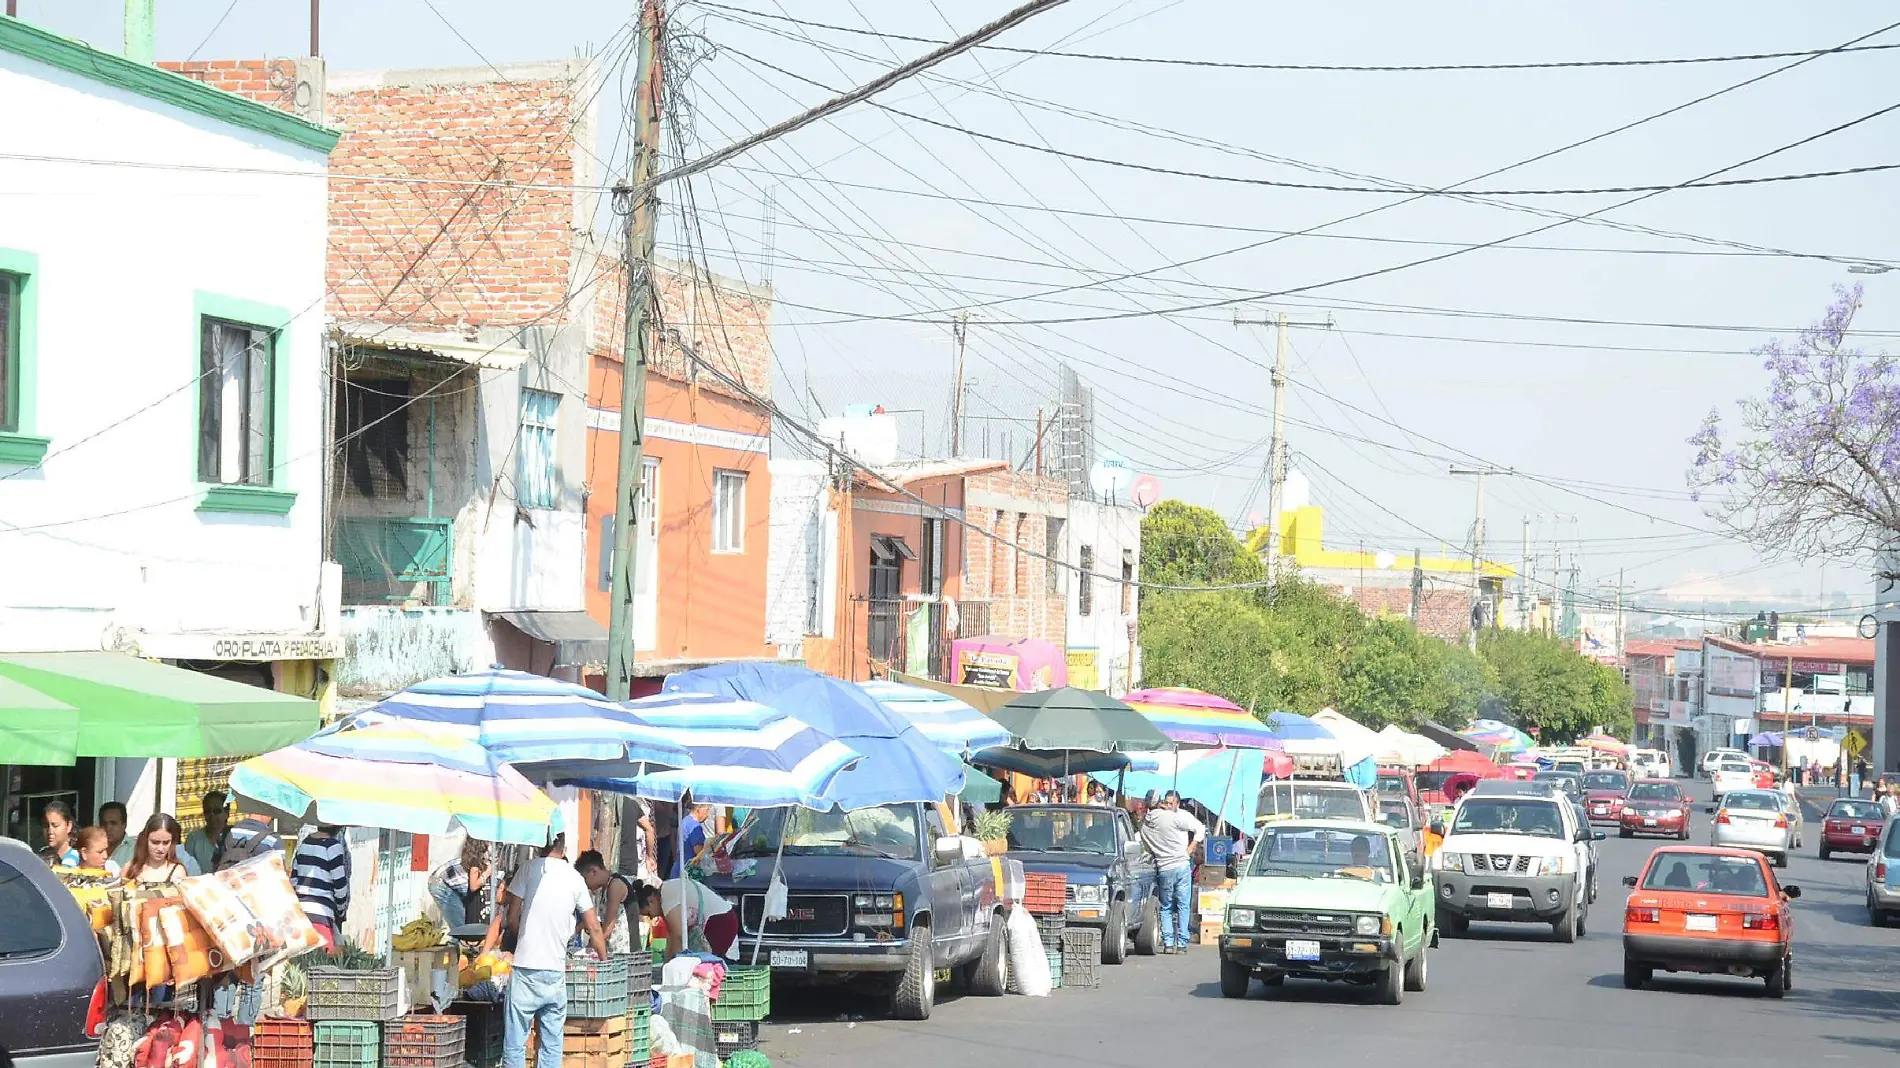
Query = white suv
x=1650 y=764
x=1515 y=852
x=1714 y=757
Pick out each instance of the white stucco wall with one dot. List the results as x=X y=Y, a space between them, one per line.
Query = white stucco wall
x=798 y=532
x=106 y=538
x=1108 y=530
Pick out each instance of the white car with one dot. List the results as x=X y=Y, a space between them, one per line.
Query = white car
x=1650 y=764
x=1758 y=820
x=1732 y=775
x=1716 y=756
x=1520 y=855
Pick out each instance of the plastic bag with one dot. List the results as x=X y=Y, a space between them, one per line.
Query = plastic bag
x=1027 y=958
x=777 y=897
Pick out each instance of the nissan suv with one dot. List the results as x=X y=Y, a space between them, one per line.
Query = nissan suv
x=52 y=989
x=1518 y=857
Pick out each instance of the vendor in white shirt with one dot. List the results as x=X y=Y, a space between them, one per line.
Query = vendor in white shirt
x=695 y=917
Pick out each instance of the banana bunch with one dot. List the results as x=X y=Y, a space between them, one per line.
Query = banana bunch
x=421 y=934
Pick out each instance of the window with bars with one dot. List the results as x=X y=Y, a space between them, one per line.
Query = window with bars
x=537 y=471
x=1085 y=580
x=728 y=514
x=1128 y=583
x=235 y=417
x=930 y=559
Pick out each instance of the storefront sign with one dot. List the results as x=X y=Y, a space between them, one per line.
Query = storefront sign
x=241 y=646
x=1730 y=674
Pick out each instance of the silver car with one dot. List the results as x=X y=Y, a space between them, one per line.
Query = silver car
x=1883 y=876
x=1758 y=820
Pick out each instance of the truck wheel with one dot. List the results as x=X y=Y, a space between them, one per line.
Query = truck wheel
x=1148 y=935
x=988 y=973
x=1392 y=983
x=1234 y=977
x=1115 y=935
x=1415 y=971
x=1636 y=973
x=1565 y=927
x=1623 y=832
x=916 y=991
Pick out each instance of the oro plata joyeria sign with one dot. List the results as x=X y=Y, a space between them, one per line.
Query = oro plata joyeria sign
x=241 y=646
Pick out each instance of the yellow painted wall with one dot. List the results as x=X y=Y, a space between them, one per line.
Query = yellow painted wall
x=1302 y=537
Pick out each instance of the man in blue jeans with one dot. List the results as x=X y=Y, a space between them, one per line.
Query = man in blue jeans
x=543 y=901
x=1169 y=835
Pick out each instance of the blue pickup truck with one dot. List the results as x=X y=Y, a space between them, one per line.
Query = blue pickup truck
x=1111 y=882
x=882 y=896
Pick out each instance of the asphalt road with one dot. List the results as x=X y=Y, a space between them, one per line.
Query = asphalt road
x=1507 y=995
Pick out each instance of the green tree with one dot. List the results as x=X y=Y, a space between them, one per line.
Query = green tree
x=1186 y=545
x=1546 y=684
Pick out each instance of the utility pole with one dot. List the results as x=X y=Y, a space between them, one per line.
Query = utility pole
x=1787 y=695
x=1477 y=544
x=1418 y=585
x=1524 y=600
x=315 y=14
x=960 y=330
x=1276 y=450
x=638 y=202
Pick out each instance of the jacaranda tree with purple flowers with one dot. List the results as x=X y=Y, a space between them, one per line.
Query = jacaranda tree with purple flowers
x=1812 y=467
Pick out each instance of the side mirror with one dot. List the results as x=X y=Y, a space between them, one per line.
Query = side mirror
x=1598 y=836
x=1710 y=809
x=1418 y=879
x=949 y=850
x=1791 y=891
x=1629 y=881
x=1438 y=828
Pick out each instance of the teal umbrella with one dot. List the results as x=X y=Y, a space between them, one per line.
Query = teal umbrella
x=1072 y=719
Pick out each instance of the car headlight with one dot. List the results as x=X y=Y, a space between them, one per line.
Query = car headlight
x=1450 y=861
x=881 y=902
x=1369 y=925
x=1552 y=866
x=1240 y=919
x=1091 y=895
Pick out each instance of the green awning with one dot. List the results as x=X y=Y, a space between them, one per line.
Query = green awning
x=979 y=788
x=35 y=728
x=123 y=706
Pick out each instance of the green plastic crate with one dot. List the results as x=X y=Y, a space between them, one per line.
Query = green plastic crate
x=346 y=1044
x=746 y=994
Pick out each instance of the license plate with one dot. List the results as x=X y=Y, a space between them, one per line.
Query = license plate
x=1860 y=830
x=1298 y=950
x=1700 y=923
x=1497 y=901
x=790 y=958
x=1649 y=821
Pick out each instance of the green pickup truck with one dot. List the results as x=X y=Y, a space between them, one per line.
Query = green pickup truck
x=1334 y=899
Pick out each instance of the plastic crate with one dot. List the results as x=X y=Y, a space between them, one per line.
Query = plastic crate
x=1055 y=969
x=273 y=1033
x=732 y=1036
x=640 y=1032
x=284 y=1058
x=346 y=1044
x=1082 y=943
x=425 y=1042
x=746 y=994
x=343 y=994
x=639 y=972
x=596 y=989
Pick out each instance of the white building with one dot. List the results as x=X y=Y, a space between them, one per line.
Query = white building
x=1103 y=540
x=161 y=387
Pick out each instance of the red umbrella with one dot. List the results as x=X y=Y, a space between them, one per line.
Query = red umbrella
x=1464 y=760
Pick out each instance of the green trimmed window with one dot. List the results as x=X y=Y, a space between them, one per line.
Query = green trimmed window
x=236 y=406
x=11 y=285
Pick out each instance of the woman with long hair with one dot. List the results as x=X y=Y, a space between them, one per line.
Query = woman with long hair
x=59 y=851
x=155 y=859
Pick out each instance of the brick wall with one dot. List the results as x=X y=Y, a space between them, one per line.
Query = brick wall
x=267 y=81
x=1015 y=583
x=728 y=322
x=1442 y=613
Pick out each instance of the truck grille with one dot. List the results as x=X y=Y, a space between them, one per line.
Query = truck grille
x=810 y=914
x=1500 y=863
x=1303 y=923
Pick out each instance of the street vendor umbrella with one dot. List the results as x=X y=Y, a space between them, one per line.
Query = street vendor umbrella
x=1047 y=763
x=1498 y=736
x=743 y=753
x=1196 y=718
x=1080 y=720
x=1603 y=743
x=1293 y=727
x=950 y=724
x=398 y=777
x=546 y=728
x=1465 y=761
x=1228 y=783
x=35 y=728
x=117 y=705
x=1400 y=746
x=898 y=763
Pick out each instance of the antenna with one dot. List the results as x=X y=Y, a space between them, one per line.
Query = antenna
x=768 y=236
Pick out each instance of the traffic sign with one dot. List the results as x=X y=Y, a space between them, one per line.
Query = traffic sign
x=1853 y=744
x=1813 y=734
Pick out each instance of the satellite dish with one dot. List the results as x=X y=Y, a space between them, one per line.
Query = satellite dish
x=1145 y=491
x=1384 y=561
x=1111 y=476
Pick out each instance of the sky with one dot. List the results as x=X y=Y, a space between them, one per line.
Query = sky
x=875 y=228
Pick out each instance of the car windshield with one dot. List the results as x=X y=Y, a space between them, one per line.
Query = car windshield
x=1307 y=801
x=1565 y=781
x=1323 y=853
x=1606 y=780
x=1433 y=781
x=1391 y=784
x=1062 y=830
x=1655 y=791
x=1396 y=812
x=1710 y=873
x=884 y=830
x=1753 y=801
x=1570 y=765
x=1509 y=815
x=1855 y=810
x=1734 y=765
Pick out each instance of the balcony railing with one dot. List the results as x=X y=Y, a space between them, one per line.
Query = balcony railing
x=389 y=560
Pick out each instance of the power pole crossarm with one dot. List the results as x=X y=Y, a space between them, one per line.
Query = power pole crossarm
x=1477 y=546
x=1276 y=450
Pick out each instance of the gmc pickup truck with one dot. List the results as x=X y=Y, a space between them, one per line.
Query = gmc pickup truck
x=1111 y=883
x=882 y=896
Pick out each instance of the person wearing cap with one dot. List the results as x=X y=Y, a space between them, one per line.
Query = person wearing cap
x=1169 y=834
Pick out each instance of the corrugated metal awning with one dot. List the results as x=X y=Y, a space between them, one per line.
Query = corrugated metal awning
x=437 y=343
x=577 y=639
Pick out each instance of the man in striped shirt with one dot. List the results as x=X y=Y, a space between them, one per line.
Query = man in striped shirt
x=321 y=874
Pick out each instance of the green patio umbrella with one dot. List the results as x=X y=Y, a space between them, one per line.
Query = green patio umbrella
x=979 y=789
x=35 y=728
x=1074 y=719
x=117 y=705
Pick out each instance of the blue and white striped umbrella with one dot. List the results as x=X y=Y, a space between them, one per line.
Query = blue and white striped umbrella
x=743 y=754
x=949 y=724
x=546 y=728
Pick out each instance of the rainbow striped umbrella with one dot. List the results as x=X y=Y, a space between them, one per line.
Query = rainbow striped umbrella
x=1197 y=718
x=1498 y=736
x=398 y=777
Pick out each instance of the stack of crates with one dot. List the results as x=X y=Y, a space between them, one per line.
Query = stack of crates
x=1082 y=958
x=1055 y=966
x=419 y=1041
x=346 y=1044
x=279 y=1043
x=481 y=1032
x=1045 y=893
x=597 y=989
x=745 y=996
x=731 y=1036
x=639 y=1006
x=346 y=994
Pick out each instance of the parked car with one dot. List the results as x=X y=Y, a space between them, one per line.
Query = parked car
x=1338 y=900
x=1654 y=808
x=1851 y=825
x=1650 y=764
x=1603 y=793
x=1764 y=774
x=1399 y=813
x=1733 y=774
x=883 y=896
x=1313 y=799
x=1716 y=756
x=1713 y=911
x=1883 y=875
x=1099 y=852
x=52 y=981
x=1757 y=820
x=1397 y=780
x=1517 y=852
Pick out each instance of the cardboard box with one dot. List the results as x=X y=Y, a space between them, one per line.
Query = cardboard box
x=1212 y=902
x=1209 y=934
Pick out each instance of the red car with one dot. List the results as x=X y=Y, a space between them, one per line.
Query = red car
x=1654 y=807
x=1764 y=774
x=1603 y=795
x=1852 y=826
x=1712 y=911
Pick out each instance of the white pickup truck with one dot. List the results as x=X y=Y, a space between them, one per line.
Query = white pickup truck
x=1516 y=857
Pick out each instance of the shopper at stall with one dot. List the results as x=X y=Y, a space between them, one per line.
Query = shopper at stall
x=693 y=832
x=93 y=854
x=695 y=917
x=460 y=882
x=157 y=858
x=615 y=896
x=1169 y=835
x=119 y=845
x=543 y=901
x=59 y=851
x=320 y=872
x=203 y=844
